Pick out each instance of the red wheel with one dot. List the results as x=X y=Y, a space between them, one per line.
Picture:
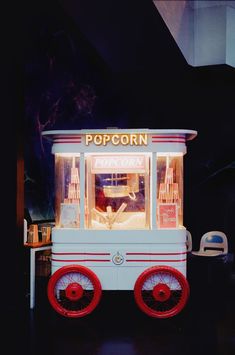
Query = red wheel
x=161 y=291
x=74 y=291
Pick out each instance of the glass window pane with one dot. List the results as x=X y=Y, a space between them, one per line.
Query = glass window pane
x=118 y=191
x=67 y=191
x=169 y=191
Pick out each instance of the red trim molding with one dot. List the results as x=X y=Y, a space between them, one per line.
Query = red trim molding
x=168 y=141
x=80 y=260
x=169 y=138
x=71 y=253
x=181 y=253
x=153 y=261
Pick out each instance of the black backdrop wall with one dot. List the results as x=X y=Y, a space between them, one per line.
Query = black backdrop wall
x=117 y=65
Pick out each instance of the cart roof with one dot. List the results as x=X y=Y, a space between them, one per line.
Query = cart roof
x=189 y=134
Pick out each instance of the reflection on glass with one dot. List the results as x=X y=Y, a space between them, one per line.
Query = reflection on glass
x=169 y=191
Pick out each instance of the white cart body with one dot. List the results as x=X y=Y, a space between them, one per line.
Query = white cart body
x=118 y=257
x=119 y=219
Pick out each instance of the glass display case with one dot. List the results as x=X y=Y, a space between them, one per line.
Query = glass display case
x=67 y=190
x=116 y=193
x=117 y=188
x=169 y=190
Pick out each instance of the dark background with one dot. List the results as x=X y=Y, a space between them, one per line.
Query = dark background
x=116 y=64
x=94 y=64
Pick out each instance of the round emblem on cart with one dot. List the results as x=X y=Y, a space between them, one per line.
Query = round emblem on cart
x=118 y=259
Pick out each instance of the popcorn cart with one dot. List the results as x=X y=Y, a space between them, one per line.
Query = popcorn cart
x=119 y=219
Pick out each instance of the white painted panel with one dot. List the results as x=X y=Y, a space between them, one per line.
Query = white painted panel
x=210 y=36
x=203 y=30
x=230 y=37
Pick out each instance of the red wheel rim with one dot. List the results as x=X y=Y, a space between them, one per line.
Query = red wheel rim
x=161 y=291
x=74 y=291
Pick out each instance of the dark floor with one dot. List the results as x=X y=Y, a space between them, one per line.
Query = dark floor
x=117 y=326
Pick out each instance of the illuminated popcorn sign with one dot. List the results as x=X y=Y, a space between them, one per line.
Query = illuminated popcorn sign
x=117 y=139
x=118 y=163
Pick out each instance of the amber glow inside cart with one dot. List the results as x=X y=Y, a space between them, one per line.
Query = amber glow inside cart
x=119 y=219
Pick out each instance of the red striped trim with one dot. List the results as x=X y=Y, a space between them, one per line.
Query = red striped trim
x=81 y=260
x=166 y=136
x=181 y=253
x=67 y=141
x=68 y=137
x=152 y=261
x=169 y=141
x=80 y=253
x=107 y=260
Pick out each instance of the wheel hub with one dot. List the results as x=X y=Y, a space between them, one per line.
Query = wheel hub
x=74 y=291
x=161 y=292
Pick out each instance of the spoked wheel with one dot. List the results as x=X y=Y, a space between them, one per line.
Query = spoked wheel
x=161 y=291
x=74 y=291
